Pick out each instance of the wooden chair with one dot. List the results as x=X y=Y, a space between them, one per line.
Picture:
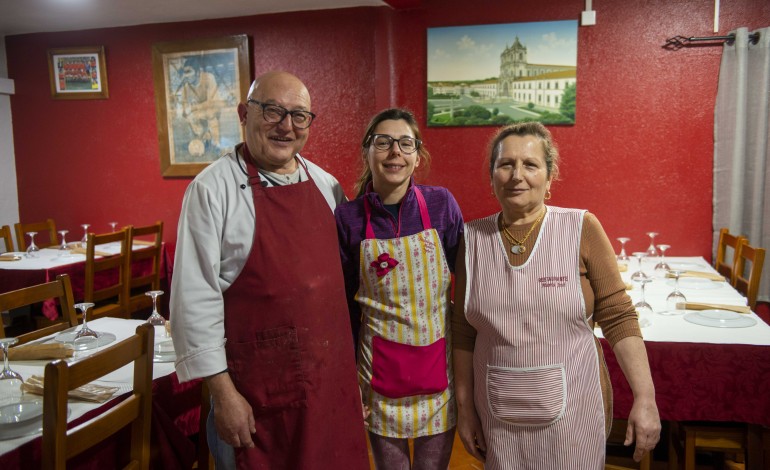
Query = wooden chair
x=685 y=439
x=60 y=444
x=60 y=288
x=5 y=235
x=748 y=260
x=151 y=281
x=615 y=439
x=724 y=264
x=110 y=295
x=47 y=228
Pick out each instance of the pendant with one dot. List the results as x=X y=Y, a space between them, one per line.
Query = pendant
x=518 y=249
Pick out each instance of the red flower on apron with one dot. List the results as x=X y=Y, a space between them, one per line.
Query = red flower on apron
x=384 y=264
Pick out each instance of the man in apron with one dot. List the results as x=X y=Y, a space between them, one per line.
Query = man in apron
x=257 y=298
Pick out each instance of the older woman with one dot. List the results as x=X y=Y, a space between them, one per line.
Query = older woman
x=531 y=384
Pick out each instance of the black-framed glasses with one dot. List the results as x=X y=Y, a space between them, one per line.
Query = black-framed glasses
x=274 y=114
x=384 y=142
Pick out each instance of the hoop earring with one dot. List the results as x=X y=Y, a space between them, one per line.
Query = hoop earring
x=547 y=194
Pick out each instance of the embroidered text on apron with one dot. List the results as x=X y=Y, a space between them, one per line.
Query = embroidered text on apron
x=404 y=357
x=289 y=346
x=536 y=369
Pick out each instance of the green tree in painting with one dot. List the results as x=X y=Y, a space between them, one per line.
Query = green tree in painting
x=567 y=106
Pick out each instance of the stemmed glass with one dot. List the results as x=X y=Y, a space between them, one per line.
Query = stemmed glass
x=113 y=225
x=32 y=249
x=63 y=249
x=675 y=297
x=84 y=240
x=156 y=319
x=85 y=335
x=643 y=309
x=622 y=256
x=662 y=268
x=639 y=274
x=651 y=250
x=10 y=381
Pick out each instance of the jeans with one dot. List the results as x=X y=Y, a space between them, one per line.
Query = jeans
x=224 y=455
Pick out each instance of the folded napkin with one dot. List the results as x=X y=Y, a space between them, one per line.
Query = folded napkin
x=88 y=392
x=31 y=352
x=622 y=267
x=143 y=242
x=629 y=286
x=82 y=251
x=9 y=257
x=707 y=306
x=699 y=274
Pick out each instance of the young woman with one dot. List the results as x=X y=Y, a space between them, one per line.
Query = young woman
x=398 y=242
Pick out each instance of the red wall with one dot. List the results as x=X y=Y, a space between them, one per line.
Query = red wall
x=639 y=156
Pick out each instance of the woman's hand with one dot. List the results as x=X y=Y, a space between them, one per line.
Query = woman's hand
x=471 y=434
x=643 y=427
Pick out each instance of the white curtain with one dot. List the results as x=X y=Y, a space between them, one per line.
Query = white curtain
x=741 y=144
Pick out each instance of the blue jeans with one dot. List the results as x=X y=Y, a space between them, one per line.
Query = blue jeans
x=224 y=455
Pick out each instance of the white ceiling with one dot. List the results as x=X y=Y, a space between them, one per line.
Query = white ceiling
x=35 y=16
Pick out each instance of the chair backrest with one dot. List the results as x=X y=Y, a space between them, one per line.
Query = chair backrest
x=748 y=271
x=5 y=235
x=152 y=236
x=43 y=229
x=60 y=289
x=60 y=444
x=107 y=280
x=725 y=263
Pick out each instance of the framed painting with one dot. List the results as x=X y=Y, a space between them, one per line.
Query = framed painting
x=198 y=85
x=78 y=73
x=493 y=75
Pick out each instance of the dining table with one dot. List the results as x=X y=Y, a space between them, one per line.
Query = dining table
x=175 y=408
x=707 y=365
x=18 y=270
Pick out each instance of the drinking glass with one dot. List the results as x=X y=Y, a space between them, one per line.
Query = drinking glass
x=32 y=249
x=156 y=318
x=85 y=335
x=113 y=225
x=643 y=309
x=622 y=256
x=675 y=297
x=651 y=250
x=84 y=240
x=639 y=274
x=662 y=268
x=10 y=381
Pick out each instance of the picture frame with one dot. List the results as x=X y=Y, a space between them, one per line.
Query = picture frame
x=498 y=74
x=198 y=85
x=78 y=73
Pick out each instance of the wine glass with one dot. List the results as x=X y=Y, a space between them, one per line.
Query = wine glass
x=63 y=248
x=32 y=249
x=10 y=381
x=622 y=256
x=676 y=297
x=84 y=240
x=643 y=309
x=651 y=250
x=662 y=268
x=85 y=336
x=156 y=319
x=113 y=225
x=639 y=274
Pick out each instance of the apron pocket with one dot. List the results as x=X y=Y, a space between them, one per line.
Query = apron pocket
x=403 y=370
x=268 y=371
x=527 y=396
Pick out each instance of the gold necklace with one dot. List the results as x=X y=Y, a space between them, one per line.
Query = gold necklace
x=517 y=246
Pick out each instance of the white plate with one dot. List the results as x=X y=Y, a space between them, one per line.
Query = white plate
x=164 y=357
x=68 y=336
x=720 y=319
x=27 y=428
x=697 y=283
x=19 y=413
x=685 y=266
x=164 y=351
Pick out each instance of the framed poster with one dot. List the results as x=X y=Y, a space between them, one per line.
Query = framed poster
x=198 y=85
x=78 y=73
x=493 y=75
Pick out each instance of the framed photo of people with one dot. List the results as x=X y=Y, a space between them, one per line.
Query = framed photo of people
x=497 y=74
x=78 y=73
x=198 y=85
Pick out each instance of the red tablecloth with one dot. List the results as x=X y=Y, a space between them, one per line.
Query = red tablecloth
x=701 y=382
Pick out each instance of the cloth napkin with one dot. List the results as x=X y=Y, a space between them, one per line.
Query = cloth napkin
x=82 y=251
x=622 y=267
x=9 y=257
x=31 y=352
x=709 y=306
x=88 y=392
x=699 y=274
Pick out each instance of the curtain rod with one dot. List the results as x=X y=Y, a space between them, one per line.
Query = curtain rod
x=678 y=42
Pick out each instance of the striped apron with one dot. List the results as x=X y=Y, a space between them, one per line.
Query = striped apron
x=404 y=355
x=535 y=365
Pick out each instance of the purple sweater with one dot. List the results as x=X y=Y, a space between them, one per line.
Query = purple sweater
x=445 y=216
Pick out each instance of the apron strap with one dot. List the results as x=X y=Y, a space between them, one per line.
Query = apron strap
x=424 y=216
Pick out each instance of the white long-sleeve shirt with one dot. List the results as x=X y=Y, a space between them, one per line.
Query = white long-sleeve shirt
x=215 y=234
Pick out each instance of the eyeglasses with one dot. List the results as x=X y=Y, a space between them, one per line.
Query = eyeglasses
x=274 y=114
x=384 y=142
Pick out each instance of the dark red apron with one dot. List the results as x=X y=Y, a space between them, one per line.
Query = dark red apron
x=289 y=343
